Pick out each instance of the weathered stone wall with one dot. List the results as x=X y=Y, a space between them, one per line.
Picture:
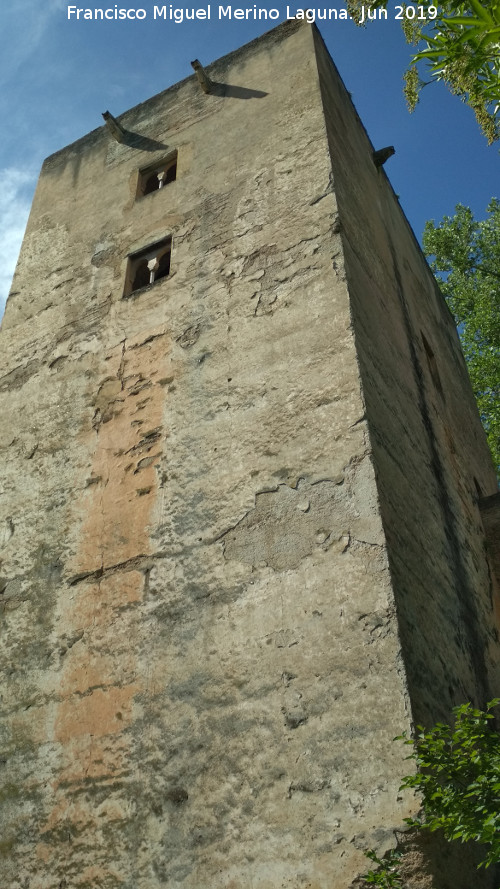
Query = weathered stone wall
x=429 y=449
x=490 y=515
x=199 y=626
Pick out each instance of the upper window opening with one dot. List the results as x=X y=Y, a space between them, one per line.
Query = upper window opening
x=153 y=178
x=148 y=266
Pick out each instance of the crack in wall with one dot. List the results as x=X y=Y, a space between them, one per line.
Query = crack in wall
x=140 y=562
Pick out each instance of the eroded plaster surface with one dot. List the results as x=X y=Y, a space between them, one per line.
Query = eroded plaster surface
x=288 y=523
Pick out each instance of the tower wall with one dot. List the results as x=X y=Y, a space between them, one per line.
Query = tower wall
x=429 y=449
x=200 y=622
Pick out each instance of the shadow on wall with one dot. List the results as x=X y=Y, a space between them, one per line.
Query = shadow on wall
x=227 y=90
x=144 y=143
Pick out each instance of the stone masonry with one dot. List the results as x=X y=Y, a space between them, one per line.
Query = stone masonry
x=241 y=547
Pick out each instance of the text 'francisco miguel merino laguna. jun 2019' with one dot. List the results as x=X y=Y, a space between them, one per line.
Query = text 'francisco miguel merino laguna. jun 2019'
x=178 y=14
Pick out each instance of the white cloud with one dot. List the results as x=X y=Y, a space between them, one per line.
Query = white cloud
x=16 y=189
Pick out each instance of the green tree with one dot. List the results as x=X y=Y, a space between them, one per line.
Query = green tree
x=465 y=254
x=458 y=780
x=461 y=47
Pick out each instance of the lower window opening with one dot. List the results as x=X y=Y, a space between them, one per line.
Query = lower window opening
x=148 y=266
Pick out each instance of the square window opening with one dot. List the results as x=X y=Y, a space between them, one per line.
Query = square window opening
x=148 y=266
x=156 y=177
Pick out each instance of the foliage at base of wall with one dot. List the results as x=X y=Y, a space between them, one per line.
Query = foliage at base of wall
x=458 y=781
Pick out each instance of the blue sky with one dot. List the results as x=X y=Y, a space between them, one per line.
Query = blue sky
x=58 y=75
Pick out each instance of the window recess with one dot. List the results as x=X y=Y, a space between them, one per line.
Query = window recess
x=148 y=266
x=157 y=176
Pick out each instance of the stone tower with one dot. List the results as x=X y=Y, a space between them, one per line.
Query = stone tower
x=241 y=464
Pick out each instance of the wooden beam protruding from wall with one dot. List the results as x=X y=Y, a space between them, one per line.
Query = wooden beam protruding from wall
x=114 y=127
x=203 y=78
